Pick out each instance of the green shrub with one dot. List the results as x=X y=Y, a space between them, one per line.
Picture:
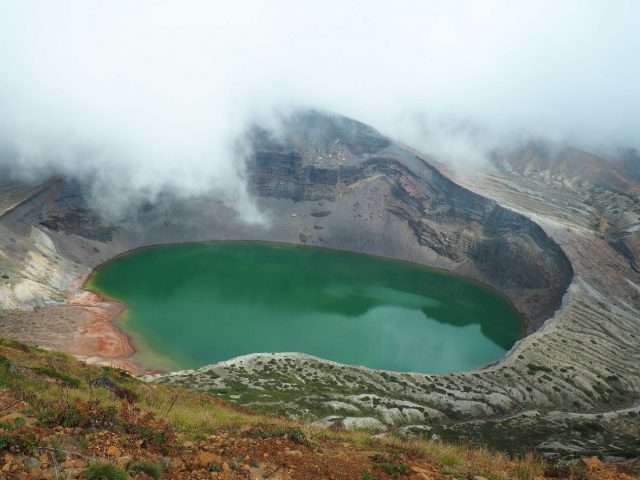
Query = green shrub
x=214 y=467
x=151 y=469
x=104 y=471
x=78 y=414
x=69 y=381
x=4 y=362
x=392 y=468
x=18 y=436
x=298 y=436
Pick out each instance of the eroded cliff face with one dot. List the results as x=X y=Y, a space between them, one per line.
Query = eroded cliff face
x=322 y=159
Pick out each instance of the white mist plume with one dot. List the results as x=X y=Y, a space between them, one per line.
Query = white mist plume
x=143 y=96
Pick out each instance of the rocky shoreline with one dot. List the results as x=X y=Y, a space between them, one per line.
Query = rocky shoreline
x=100 y=338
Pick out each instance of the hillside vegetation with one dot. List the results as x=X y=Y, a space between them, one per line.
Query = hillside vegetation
x=64 y=419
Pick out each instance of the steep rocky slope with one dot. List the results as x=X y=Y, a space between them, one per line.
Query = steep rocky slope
x=325 y=159
x=329 y=181
x=609 y=187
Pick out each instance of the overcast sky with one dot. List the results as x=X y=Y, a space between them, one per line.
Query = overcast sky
x=161 y=89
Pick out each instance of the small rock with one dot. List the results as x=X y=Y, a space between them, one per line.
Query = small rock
x=31 y=462
x=188 y=444
x=479 y=477
x=113 y=451
x=123 y=462
x=104 y=382
x=204 y=459
x=363 y=422
x=35 y=472
x=49 y=474
x=167 y=463
x=73 y=472
x=226 y=467
x=73 y=464
x=177 y=464
x=591 y=463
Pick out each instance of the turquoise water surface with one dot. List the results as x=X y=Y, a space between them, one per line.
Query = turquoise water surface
x=195 y=304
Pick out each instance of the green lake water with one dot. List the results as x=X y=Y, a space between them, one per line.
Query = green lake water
x=194 y=304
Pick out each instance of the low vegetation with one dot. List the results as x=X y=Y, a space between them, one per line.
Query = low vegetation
x=61 y=417
x=104 y=471
x=152 y=470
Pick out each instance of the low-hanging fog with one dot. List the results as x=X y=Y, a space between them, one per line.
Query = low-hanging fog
x=136 y=97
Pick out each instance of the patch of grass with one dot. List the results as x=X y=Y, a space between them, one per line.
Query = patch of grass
x=162 y=409
x=69 y=381
x=392 y=468
x=529 y=467
x=566 y=469
x=4 y=362
x=152 y=469
x=270 y=431
x=450 y=460
x=104 y=471
x=16 y=345
x=78 y=414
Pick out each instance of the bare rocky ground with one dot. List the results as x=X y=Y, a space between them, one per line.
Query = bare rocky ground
x=554 y=242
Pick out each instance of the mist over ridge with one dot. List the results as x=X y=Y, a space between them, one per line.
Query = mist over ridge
x=140 y=98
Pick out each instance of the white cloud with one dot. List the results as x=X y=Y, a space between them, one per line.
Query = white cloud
x=152 y=94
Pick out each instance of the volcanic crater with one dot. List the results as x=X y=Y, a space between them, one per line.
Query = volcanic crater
x=570 y=386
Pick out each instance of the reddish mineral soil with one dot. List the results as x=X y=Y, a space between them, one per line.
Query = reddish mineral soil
x=98 y=339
